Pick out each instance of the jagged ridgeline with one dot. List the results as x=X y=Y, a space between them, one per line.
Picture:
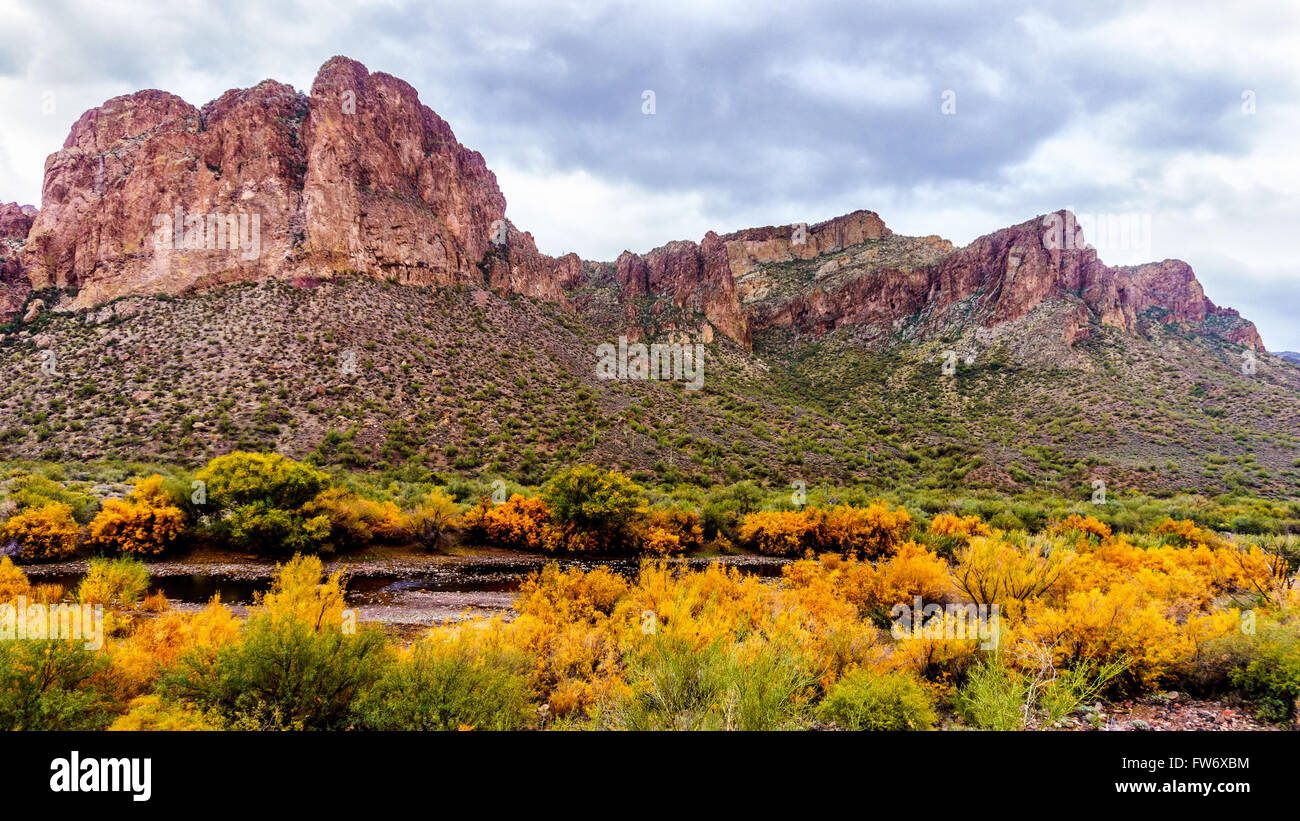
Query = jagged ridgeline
x=333 y=275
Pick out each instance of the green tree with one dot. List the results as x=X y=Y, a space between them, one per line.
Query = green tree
x=605 y=504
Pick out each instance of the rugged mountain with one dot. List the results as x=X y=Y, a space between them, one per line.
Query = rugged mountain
x=462 y=379
x=15 y=223
x=151 y=195
x=197 y=278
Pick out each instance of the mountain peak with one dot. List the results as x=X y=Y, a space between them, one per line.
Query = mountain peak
x=150 y=194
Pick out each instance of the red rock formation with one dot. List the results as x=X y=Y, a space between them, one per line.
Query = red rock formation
x=1008 y=273
x=141 y=196
x=15 y=223
x=1171 y=286
x=16 y=220
x=150 y=194
x=358 y=177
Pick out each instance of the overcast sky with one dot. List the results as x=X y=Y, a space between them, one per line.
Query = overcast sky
x=952 y=118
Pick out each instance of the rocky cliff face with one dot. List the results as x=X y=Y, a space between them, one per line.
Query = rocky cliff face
x=150 y=194
x=15 y=223
x=1000 y=277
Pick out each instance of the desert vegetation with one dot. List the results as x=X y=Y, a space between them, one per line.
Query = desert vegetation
x=1030 y=610
x=170 y=380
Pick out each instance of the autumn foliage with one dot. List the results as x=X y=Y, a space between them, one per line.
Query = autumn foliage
x=146 y=523
x=871 y=532
x=43 y=533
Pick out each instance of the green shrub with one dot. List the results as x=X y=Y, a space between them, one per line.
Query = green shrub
x=997 y=696
x=678 y=685
x=863 y=700
x=50 y=685
x=605 y=504
x=448 y=687
x=281 y=675
x=267 y=530
x=1271 y=680
x=122 y=581
x=33 y=491
x=261 y=478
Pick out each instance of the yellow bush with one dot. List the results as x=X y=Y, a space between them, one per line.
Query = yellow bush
x=873 y=531
x=47 y=532
x=940 y=649
x=122 y=582
x=158 y=643
x=151 y=713
x=301 y=592
x=47 y=593
x=520 y=522
x=155 y=602
x=141 y=526
x=433 y=516
x=149 y=490
x=910 y=573
x=992 y=570
x=13 y=582
x=780 y=532
x=1105 y=626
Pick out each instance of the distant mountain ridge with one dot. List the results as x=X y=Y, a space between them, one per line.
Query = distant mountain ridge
x=152 y=195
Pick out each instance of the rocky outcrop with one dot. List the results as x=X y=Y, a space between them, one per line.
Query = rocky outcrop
x=150 y=194
x=1170 y=287
x=15 y=224
x=1001 y=277
x=703 y=277
x=15 y=220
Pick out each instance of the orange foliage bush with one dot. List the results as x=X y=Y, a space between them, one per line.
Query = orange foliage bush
x=144 y=524
x=47 y=532
x=355 y=521
x=520 y=522
x=672 y=531
x=1185 y=533
x=157 y=643
x=873 y=531
x=952 y=526
x=779 y=532
x=1085 y=530
x=875 y=589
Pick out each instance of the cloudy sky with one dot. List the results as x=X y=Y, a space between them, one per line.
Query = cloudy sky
x=947 y=118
